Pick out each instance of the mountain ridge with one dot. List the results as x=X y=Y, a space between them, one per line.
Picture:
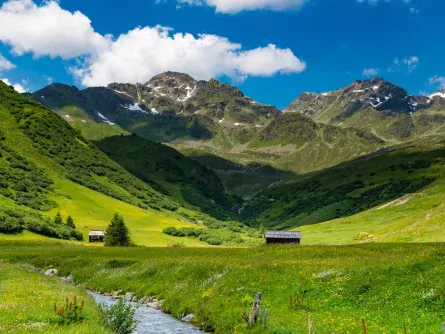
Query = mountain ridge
x=214 y=118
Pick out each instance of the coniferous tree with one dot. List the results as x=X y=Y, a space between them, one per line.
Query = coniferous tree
x=58 y=219
x=70 y=222
x=117 y=233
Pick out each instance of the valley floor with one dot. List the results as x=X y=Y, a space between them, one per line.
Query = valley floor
x=394 y=287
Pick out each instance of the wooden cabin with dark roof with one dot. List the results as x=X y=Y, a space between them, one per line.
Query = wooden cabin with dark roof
x=96 y=236
x=282 y=237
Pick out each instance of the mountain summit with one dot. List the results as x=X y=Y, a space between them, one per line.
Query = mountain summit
x=376 y=105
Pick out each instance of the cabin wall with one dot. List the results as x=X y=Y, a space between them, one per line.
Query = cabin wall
x=282 y=241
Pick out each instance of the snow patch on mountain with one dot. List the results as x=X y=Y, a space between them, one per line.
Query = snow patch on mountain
x=106 y=120
x=120 y=92
x=133 y=107
x=439 y=94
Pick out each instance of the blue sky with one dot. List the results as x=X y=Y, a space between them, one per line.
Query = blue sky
x=271 y=49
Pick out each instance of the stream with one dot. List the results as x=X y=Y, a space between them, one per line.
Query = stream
x=151 y=320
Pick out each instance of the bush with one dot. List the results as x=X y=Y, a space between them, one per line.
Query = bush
x=119 y=317
x=10 y=225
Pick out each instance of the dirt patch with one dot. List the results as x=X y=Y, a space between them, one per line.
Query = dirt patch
x=399 y=201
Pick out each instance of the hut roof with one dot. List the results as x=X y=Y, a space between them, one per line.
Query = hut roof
x=283 y=235
x=96 y=233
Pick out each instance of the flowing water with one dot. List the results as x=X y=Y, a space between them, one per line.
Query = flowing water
x=151 y=320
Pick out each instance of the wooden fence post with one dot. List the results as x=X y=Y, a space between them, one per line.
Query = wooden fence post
x=309 y=324
x=265 y=319
x=253 y=316
x=364 y=326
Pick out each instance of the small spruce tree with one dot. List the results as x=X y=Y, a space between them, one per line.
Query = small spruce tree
x=70 y=222
x=58 y=219
x=117 y=233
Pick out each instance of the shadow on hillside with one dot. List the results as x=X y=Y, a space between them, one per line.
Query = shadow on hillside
x=244 y=180
x=348 y=188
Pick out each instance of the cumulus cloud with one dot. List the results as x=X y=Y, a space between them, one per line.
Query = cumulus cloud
x=236 y=6
x=18 y=87
x=48 y=30
x=135 y=56
x=437 y=81
x=370 y=72
x=5 y=64
x=145 y=52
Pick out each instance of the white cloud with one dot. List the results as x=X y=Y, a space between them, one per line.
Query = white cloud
x=437 y=81
x=236 y=6
x=5 y=64
x=18 y=87
x=48 y=30
x=370 y=72
x=411 y=62
x=144 y=52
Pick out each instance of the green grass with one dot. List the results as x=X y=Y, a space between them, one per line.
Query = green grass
x=413 y=218
x=27 y=303
x=387 y=284
x=93 y=211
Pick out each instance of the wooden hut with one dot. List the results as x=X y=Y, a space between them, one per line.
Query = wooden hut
x=282 y=237
x=96 y=236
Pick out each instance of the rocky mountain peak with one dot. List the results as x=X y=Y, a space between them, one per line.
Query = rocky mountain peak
x=377 y=94
x=174 y=85
x=216 y=87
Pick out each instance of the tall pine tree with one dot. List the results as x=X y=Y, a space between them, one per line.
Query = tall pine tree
x=58 y=219
x=70 y=222
x=117 y=233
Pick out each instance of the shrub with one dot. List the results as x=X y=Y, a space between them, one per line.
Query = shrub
x=119 y=317
x=176 y=245
x=10 y=225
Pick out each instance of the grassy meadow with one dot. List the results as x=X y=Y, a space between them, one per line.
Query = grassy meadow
x=93 y=211
x=396 y=288
x=27 y=301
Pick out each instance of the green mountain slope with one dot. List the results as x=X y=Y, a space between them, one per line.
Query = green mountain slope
x=355 y=195
x=47 y=165
x=170 y=172
x=165 y=169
